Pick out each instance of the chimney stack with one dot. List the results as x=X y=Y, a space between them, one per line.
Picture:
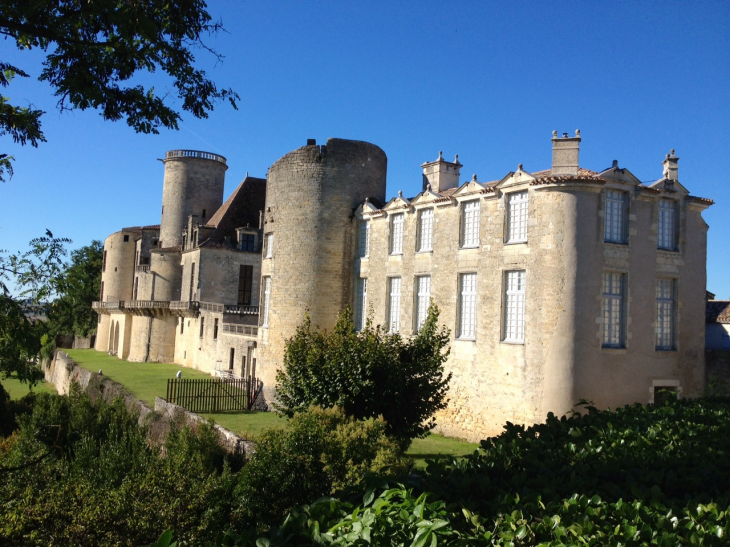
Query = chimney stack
x=671 y=166
x=441 y=174
x=565 y=154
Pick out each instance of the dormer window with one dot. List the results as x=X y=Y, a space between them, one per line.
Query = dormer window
x=667 y=225
x=614 y=230
x=470 y=224
x=396 y=234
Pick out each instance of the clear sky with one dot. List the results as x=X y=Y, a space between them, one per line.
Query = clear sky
x=489 y=81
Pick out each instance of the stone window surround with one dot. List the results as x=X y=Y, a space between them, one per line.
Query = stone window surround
x=418 y=308
x=664 y=383
x=395 y=248
x=460 y=304
x=626 y=213
x=675 y=314
x=419 y=215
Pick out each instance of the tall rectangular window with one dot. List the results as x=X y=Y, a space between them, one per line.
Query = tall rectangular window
x=231 y=358
x=266 y=301
x=396 y=234
x=514 y=306
x=103 y=263
x=269 y=245
x=215 y=329
x=364 y=247
x=245 y=284
x=192 y=283
x=468 y=306
x=101 y=297
x=425 y=230
x=361 y=305
x=665 y=314
x=182 y=325
x=202 y=325
x=423 y=299
x=614 y=228
x=394 y=305
x=667 y=225
x=470 y=224
x=517 y=217
x=614 y=289
x=136 y=287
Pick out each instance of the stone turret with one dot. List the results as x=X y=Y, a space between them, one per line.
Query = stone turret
x=308 y=233
x=441 y=174
x=565 y=154
x=193 y=185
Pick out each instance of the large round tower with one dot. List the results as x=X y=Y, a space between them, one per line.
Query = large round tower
x=193 y=185
x=311 y=194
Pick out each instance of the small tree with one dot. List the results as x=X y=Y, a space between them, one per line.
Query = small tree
x=368 y=374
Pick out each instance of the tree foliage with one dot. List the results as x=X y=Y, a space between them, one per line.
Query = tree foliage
x=95 y=52
x=368 y=374
x=78 y=285
x=36 y=274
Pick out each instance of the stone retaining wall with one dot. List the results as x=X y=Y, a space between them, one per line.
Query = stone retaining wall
x=63 y=371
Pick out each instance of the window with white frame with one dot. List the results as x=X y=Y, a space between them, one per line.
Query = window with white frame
x=514 y=306
x=470 y=224
x=614 y=302
x=269 y=245
x=665 y=314
x=361 y=304
x=425 y=230
x=364 y=238
x=394 y=305
x=667 y=225
x=615 y=217
x=396 y=234
x=267 y=301
x=423 y=299
x=517 y=217
x=468 y=306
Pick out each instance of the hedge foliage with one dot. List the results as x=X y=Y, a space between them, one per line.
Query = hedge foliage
x=83 y=474
x=321 y=451
x=641 y=475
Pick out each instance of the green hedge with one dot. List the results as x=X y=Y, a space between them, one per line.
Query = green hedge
x=641 y=475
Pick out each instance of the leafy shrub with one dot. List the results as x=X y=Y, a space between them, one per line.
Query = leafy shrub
x=368 y=374
x=321 y=451
x=83 y=474
x=637 y=476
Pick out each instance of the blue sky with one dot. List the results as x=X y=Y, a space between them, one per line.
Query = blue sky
x=488 y=81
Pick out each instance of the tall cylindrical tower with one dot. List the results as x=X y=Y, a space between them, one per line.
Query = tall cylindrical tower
x=117 y=274
x=193 y=185
x=311 y=195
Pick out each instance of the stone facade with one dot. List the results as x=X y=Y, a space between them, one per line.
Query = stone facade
x=557 y=285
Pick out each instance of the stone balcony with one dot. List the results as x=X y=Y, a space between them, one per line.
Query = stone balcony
x=248 y=331
x=241 y=310
x=147 y=307
x=181 y=308
x=109 y=306
x=144 y=268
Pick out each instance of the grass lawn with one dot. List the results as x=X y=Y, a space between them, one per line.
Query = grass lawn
x=149 y=380
x=17 y=389
x=436 y=446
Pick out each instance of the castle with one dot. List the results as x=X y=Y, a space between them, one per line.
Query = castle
x=557 y=285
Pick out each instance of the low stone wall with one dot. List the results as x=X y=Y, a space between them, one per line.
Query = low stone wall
x=717 y=371
x=63 y=371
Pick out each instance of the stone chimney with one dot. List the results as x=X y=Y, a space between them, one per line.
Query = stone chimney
x=565 y=154
x=671 y=167
x=441 y=174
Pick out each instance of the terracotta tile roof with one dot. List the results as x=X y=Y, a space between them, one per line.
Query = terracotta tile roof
x=584 y=175
x=241 y=208
x=717 y=311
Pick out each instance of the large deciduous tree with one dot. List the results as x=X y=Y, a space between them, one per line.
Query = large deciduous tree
x=96 y=48
x=368 y=374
